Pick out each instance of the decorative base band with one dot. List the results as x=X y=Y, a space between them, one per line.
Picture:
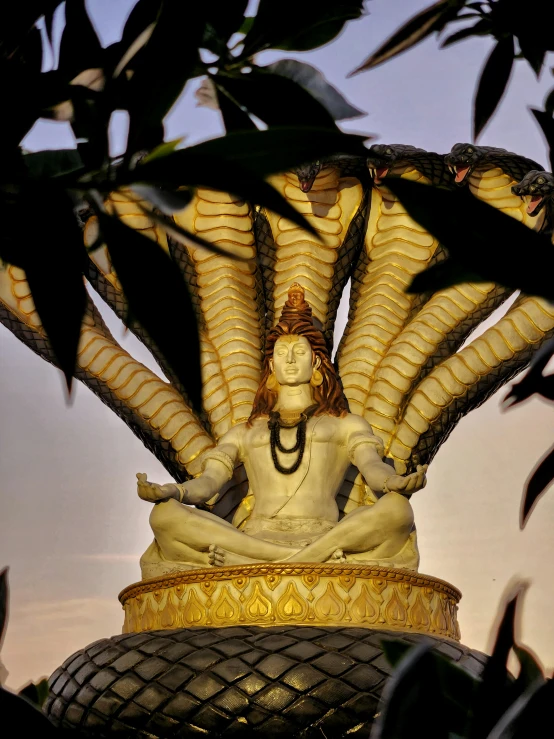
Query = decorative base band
x=304 y=594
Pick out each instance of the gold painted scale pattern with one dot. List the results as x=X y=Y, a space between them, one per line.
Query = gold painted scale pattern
x=278 y=595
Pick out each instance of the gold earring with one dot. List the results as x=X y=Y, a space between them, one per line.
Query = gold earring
x=271 y=382
x=317 y=378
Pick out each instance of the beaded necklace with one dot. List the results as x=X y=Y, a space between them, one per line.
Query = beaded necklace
x=299 y=422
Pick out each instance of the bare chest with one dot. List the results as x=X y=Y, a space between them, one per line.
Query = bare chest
x=322 y=430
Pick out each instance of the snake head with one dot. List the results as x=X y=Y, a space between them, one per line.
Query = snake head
x=539 y=186
x=382 y=157
x=463 y=159
x=306 y=174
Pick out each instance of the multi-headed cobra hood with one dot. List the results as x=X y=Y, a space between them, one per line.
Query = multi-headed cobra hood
x=464 y=159
x=540 y=186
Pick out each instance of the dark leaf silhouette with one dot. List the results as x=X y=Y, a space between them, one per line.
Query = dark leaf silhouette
x=316 y=22
x=434 y=18
x=443 y=275
x=492 y=84
x=531 y=670
x=545 y=119
x=80 y=47
x=185 y=167
x=479 y=237
x=481 y=28
x=158 y=299
x=167 y=201
x=227 y=18
x=413 y=689
x=171 y=55
x=17 y=19
x=529 y=715
x=183 y=236
x=534 y=381
x=277 y=150
x=537 y=484
x=52 y=163
x=36 y=693
x=490 y=699
x=234 y=117
x=57 y=285
x=312 y=80
x=30 y=719
x=259 y=91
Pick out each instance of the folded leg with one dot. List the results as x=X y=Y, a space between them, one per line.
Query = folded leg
x=186 y=534
x=381 y=529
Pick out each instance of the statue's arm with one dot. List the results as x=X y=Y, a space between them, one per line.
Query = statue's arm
x=365 y=451
x=217 y=468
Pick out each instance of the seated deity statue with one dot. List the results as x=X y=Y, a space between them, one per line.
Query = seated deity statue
x=296 y=448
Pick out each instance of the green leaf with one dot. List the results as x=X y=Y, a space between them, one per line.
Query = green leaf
x=531 y=670
x=52 y=163
x=53 y=257
x=158 y=299
x=80 y=47
x=492 y=84
x=3 y=603
x=294 y=26
x=247 y=24
x=481 y=238
x=434 y=18
x=312 y=80
x=168 y=147
x=538 y=482
x=545 y=119
x=36 y=693
x=259 y=91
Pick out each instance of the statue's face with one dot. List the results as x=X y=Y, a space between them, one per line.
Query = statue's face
x=296 y=298
x=292 y=360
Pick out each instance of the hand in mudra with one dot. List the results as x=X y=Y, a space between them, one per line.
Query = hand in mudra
x=408 y=484
x=153 y=492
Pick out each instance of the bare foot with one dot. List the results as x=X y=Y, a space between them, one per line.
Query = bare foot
x=337 y=556
x=216 y=556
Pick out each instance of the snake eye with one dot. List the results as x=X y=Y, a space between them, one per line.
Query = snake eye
x=541 y=180
x=388 y=151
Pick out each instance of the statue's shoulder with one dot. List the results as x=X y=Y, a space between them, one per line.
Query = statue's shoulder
x=355 y=423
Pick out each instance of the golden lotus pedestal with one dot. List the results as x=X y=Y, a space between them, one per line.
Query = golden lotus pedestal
x=302 y=594
x=285 y=650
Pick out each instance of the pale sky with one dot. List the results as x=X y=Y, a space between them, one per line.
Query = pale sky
x=72 y=527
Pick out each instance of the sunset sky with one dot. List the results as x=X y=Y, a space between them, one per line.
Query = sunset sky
x=72 y=527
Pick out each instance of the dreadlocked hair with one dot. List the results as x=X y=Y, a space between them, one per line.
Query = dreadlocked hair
x=328 y=396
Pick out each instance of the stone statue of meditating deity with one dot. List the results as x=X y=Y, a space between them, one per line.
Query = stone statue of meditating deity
x=296 y=447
